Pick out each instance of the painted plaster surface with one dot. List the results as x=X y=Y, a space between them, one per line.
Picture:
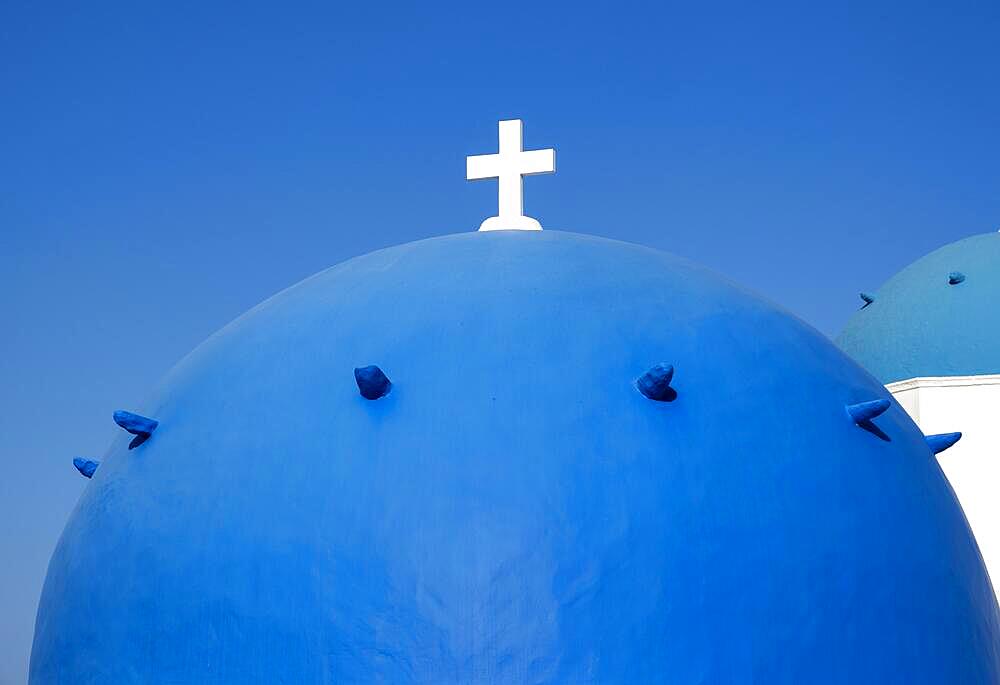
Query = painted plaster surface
x=515 y=510
x=940 y=316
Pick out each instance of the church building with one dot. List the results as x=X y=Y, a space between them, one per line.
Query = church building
x=931 y=334
x=517 y=455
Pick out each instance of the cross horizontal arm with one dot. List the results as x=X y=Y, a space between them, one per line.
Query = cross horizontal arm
x=533 y=162
x=478 y=167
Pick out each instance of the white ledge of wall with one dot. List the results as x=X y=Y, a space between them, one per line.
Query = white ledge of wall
x=970 y=404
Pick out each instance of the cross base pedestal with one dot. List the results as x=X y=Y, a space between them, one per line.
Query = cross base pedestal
x=510 y=223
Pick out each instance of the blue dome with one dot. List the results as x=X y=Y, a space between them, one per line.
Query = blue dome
x=514 y=509
x=940 y=316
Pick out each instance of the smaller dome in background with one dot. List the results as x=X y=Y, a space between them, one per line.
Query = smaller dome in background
x=940 y=316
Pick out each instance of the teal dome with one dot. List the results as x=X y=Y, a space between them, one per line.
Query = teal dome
x=940 y=316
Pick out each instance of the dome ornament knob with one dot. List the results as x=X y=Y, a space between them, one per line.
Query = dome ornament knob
x=372 y=382
x=942 y=441
x=655 y=383
x=509 y=166
x=139 y=426
x=864 y=412
x=86 y=467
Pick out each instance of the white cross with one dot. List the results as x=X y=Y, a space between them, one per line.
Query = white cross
x=509 y=165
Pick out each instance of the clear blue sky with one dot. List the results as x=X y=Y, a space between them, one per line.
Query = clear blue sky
x=162 y=169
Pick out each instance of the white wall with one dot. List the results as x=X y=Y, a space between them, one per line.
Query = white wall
x=970 y=404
